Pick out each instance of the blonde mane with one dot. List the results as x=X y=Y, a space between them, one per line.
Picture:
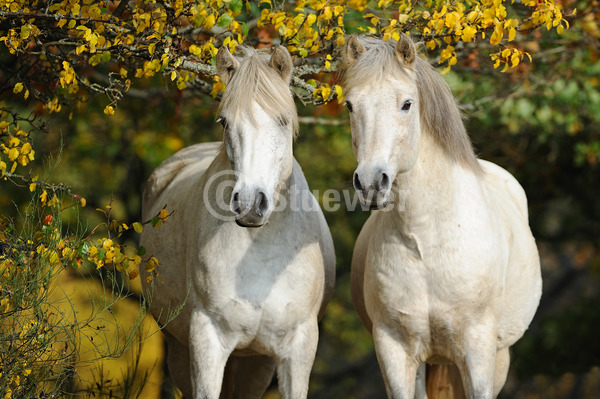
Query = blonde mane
x=255 y=80
x=440 y=114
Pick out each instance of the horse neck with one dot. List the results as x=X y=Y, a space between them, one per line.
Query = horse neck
x=427 y=193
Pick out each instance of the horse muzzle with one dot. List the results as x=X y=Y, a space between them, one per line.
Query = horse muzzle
x=373 y=186
x=251 y=208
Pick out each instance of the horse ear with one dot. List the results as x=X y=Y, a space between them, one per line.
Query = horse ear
x=406 y=51
x=226 y=64
x=281 y=61
x=354 y=49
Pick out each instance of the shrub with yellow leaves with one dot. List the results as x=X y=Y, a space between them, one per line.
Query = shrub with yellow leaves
x=41 y=336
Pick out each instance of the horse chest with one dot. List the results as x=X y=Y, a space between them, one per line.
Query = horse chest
x=423 y=282
x=260 y=292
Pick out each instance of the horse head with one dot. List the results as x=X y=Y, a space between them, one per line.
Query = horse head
x=382 y=99
x=259 y=119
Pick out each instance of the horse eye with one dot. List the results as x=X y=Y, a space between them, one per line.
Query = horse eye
x=222 y=121
x=407 y=105
x=348 y=105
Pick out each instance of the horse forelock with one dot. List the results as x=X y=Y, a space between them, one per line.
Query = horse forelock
x=256 y=81
x=439 y=112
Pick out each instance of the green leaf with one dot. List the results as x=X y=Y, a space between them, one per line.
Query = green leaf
x=83 y=249
x=154 y=221
x=236 y=5
x=225 y=20
x=245 y=29
x=141 y=251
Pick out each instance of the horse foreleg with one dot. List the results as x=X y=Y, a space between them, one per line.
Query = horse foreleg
x=295 y=361
x=501 y=370
x=398 y=369
x=208 y=356
x=421 y=382
x=478 y=365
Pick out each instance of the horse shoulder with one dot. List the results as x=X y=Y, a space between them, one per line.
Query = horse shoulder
x=190 y=161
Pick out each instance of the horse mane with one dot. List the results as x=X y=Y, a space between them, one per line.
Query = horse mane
x=255 y=80
x=440 y=114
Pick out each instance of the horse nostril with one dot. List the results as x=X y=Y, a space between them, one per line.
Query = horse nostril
x=235 y=203
x=357 y=184
x=384 y=182
x=262 y=204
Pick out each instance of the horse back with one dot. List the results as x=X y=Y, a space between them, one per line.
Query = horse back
x=190 y=161
x=502 y=181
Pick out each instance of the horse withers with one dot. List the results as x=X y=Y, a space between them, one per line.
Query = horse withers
x=447 y=271
x=246 y=249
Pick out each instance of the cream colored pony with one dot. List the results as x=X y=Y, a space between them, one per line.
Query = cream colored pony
x=254 y=266
x=448 y=272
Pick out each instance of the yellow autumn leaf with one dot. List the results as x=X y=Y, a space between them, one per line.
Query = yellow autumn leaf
x=209 y=22
x=193 y=49
x=18 y=88
x=515 y=59
x=13 y=142
x=339 y=93
x=496 y=35
x=26 y=148
x=468 y=33
x=13 y=154
x=164 y=215
x=151 y=264
x=138 y=227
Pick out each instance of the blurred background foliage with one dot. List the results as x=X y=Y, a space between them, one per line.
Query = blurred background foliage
x=541 y=122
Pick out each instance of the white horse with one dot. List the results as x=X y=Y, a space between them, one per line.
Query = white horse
x=247 y=247
x=448 y=272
